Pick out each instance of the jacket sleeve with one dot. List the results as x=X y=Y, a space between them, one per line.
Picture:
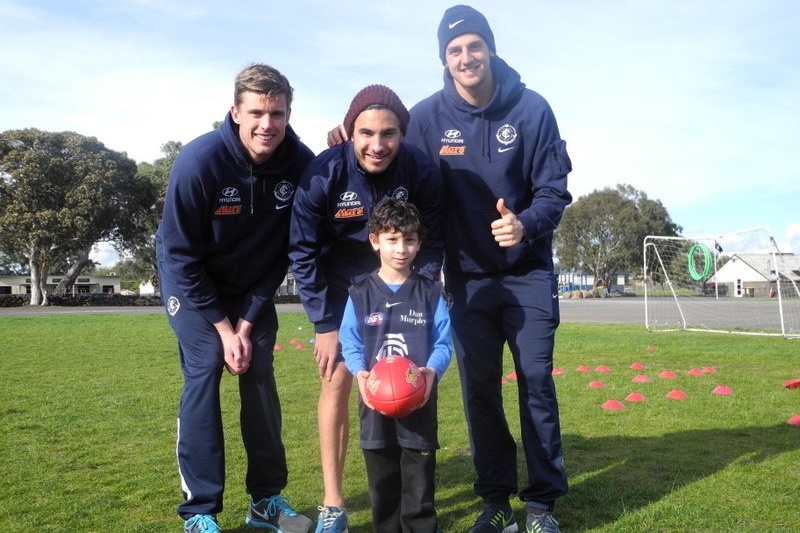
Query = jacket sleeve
x=430 y=202
x=352 y=342
x=307 y=237
x=550 y=166
x=185 y=220
x=442 y=351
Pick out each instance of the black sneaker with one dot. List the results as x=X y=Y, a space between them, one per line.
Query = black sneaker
x=275 y=513
x=495 y=519
x=541 y=523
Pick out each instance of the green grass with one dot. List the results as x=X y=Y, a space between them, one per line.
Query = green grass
x=87 y=431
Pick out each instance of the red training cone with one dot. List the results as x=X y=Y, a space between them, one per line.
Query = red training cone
x=695 y=372
x=794 y=421
x=613 y=405
x=637 y=366
x=676 y=394
x=603 y=369
x=583 y=368
x=723 y=390
x=277 y=347
x=709 y=370
x=792 y=383
x=667 y=374
x=557 y=371
x=597 y=384
x=634 y=397
x=641 y=378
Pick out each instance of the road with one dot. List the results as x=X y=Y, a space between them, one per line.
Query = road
x=605 y=310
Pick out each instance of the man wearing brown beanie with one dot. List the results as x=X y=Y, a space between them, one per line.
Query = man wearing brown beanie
x=329 y=247
x=505 y=169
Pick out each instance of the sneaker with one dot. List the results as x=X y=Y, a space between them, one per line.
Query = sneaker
x=495 y=519
x=202 y=523
x=331 y=520
x=275 y=513
x=541 y=523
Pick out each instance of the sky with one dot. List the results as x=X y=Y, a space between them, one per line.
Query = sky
x=694 y=103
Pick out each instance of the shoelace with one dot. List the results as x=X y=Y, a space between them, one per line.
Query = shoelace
x=328 y=517
x=279 y=504
x=206 y=523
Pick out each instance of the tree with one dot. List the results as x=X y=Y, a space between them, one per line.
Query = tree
x=142 y=264
x=62 y=192
x=603 y=231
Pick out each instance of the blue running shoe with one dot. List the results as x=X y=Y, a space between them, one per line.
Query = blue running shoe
x=331 y=520
x=275 y=513
x=202 y=523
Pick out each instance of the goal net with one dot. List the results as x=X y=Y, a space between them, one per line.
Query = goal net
x=733 y=283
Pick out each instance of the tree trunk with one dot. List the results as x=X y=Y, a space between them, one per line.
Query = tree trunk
x=38 y=267
x=80 y=261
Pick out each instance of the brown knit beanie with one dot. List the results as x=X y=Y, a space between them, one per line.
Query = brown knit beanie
x=459 y=20
x=376 y=95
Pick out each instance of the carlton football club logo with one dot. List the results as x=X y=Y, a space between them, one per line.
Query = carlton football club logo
x=173 y=305
x=400 y=193
x=506 y=135
x=284 y=191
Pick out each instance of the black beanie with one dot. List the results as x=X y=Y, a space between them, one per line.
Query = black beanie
x=459 y=20
x=375 y=95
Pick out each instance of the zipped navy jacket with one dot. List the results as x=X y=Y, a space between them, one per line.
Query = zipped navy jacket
x=226 y=221
x=510 y=149
x=329 y=241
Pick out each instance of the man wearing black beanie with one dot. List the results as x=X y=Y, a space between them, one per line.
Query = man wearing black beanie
x=505 y=170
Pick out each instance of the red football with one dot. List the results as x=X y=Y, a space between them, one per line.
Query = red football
x=395 y=386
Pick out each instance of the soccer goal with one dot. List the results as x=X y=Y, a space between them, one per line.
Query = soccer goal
x=733 y=283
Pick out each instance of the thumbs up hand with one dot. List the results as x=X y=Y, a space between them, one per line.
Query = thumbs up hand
x=507 y=230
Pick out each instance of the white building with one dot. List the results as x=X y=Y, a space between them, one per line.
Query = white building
x=90 y=284
x=755 y=274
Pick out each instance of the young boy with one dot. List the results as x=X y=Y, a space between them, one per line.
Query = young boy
x=407 y=317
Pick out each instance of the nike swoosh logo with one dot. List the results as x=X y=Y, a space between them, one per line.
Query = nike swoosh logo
x=388 y=305
x=279 y=207
x=555 y=296
x=454 y=24
x=506 y=149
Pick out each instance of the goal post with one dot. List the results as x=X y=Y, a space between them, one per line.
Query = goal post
x=733 y=283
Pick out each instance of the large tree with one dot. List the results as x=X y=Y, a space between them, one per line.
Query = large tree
x=603 y=231
x=62 y=192
x=142 y=265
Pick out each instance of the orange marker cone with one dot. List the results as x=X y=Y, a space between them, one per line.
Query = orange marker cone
x=299 y=346
x=603 y=369
x=557 y=371
x=667 y=374
x=641 y=378
x=794 y=421
x=637 y=366
x=695 y=372
x=613 y=405
x=676 y=394
x=583 y=368
x=277 y=347
x=709 y=370
x=597 y=384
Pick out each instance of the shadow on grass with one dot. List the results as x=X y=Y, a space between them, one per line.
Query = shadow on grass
x=622 y=474
x=614 y=474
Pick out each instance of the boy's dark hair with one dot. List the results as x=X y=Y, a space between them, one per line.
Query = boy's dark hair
x=391 y=215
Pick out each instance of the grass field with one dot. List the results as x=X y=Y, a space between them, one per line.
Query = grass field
x=87 y=431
